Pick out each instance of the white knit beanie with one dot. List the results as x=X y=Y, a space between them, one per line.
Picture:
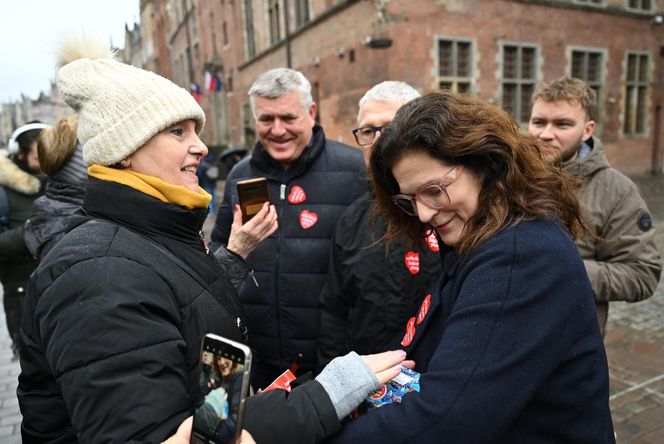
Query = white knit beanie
x=120 y=107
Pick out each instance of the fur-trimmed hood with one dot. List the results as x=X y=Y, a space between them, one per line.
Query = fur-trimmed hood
x=11 y=176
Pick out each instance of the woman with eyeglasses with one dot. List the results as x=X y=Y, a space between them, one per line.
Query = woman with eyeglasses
x=507 y=341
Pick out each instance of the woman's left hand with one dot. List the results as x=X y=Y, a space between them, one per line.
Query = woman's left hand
x=183 y=433
x=246 y=438
x=245 y=238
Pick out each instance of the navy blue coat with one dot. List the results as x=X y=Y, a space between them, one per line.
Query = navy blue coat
x=290 y=266
x=509 y=350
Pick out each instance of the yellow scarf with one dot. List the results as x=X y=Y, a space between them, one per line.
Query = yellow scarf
x=153 y=186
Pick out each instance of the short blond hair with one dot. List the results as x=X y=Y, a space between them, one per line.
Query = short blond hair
x=569 y=89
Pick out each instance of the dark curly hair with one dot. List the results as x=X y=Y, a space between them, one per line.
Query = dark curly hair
x=516 y=182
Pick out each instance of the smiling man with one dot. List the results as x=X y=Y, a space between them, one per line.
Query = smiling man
x=622 y=260
x=311 y=182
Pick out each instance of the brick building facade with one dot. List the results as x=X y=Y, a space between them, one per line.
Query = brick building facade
x=498 y=50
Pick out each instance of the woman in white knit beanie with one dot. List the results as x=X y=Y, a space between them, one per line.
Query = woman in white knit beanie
x=116 y=311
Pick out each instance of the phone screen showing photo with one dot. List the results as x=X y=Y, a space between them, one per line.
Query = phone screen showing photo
x=217 y=417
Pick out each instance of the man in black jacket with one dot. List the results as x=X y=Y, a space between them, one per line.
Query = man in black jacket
x=311 y=182
x=370 y=292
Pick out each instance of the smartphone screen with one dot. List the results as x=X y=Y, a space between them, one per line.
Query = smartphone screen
x=252 y=194
x=224 y=384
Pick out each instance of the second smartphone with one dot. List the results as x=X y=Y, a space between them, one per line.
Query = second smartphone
x=224 y=383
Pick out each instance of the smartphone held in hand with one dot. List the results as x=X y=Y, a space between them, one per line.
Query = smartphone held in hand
x=252 y=194
x=224 y=384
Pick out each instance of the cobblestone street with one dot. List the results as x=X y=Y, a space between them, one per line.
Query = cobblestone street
x=10 y=417
x=635 y=347
x=634 y=344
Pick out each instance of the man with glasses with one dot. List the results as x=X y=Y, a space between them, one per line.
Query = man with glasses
x=620 y=254
x=311 y=181
x=371 y=292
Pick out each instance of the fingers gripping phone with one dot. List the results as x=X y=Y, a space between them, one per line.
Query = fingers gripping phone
x=252 y=194
x=224 y=384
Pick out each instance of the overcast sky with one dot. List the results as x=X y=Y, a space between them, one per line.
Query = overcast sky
x=29 y=28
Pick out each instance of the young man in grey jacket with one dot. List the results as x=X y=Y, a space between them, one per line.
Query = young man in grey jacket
x=622 y=260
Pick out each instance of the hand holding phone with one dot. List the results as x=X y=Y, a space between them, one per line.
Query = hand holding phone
x=245 y=237
x=224 y=385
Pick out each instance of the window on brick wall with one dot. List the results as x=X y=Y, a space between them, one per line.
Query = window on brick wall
x=587 y=66
x=640 y=5
x=273 y=15
x=248 y=125
x=590 y=2
x=519 y=78
x=301 y=12
x=455 y=65
x=197 y=61
x=249 y=27
x=636 y=93
x=194 y=23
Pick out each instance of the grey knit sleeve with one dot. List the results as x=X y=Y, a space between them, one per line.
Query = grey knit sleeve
x=347 y=381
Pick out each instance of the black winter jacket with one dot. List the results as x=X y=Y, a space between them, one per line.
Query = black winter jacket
x=370 y=291
x=50 y=216
x=290 y=266
x=113 y=326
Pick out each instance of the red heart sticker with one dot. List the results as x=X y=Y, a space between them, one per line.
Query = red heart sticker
x=297 y=195
x=412 y=261
x=432 y=242
x=410 y=332
x=424 y=309
x=308 y=219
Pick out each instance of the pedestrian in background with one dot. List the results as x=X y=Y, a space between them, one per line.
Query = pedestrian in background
x=370 y=291
x=619 y=252
x=20 y=184
x=311 y=182
x=208 y=174
x=507 y=342
x=61 y=159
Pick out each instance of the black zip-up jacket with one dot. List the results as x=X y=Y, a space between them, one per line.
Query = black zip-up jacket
x=50 y=216
x=370 y=291
x=283 y=311
x=113 y=327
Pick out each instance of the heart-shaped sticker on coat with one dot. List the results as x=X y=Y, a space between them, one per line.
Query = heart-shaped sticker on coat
x=410 y=332
x=308 y=219
x=432 y=242
x=297 y=195
x=424 y=309
x=412 y=261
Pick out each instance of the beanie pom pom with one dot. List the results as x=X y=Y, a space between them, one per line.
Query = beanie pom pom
x=82 y=45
